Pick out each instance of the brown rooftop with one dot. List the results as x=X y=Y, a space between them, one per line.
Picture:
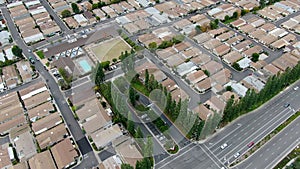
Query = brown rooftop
x=41 y=110
x=64 y=153
x=42 y=160
x=37 y=99
x=52 y=136
x=46 y=123
x=202 y=111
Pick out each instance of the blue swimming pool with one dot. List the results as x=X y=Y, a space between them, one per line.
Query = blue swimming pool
x=85 y=66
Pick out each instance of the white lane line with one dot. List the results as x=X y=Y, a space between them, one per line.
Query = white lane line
x=226 y=136
x=177 y=157
x=257 y=131
x=209 y=155
x=283 y=154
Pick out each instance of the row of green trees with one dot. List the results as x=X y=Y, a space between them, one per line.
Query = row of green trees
x=188 y=122
x=252 y=100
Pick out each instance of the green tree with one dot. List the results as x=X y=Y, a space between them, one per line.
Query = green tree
x=235 y=15
x=206 y=72
x=114 y=60
x=152 y=45
x=17 y=51
x=255 y=57
x=145 y=163
x=198 y=29
x=139 y=133
x=75 y=8
x=126 y=166
x=101 y=4
x=228 y=88
x=226 y=18
x=94 y=6
x=98 y=74
x=236 y=66
x=262 y=3
x=130 y=125
x=244 y=12
x=214 y=24
x=147 y=79
x=65 y=13
x=98 y=18
x=216 y=21
x=148 y=148
x=132 y=96
x=105 y=64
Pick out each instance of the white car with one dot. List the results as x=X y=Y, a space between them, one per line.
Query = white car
x=223 y=146
x=236 y=155
x=296 y=88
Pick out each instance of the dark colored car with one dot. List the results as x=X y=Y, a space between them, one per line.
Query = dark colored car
x=31 y=60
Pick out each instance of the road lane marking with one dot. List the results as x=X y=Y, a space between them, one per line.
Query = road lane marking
x=257 y=131
x=283 y=154
x=226 y=136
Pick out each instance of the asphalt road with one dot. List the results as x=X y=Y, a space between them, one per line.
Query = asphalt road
x=275 y=150
x=21 y=87
x=177 y=136
x=254 y=126
x=63 y=107
x=251 y=127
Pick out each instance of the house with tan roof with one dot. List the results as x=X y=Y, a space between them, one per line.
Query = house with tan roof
x=64 y=153
x=179 y=94
x=4 y=158
x=42 y=160
x=40 y=111
x=52 y=136
x=221 y=50
x=10 y=76
x=203 y=85
x=25 y=146
x=212 y=67
x=37 y=99
x=215 y=104
x=46 y=123
x=102 y=138
x=128 y=150
x=202 y=111
x=196 y=76
x=169 y=84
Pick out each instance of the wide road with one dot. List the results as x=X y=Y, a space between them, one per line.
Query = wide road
x=63 y=107
x=275 y=150
x=251 y=127
x=254 y=126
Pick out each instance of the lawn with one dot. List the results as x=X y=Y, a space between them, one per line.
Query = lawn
x=40 y=54
x=110 y=49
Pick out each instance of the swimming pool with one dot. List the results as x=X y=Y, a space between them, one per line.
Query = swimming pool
x=85 y=66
